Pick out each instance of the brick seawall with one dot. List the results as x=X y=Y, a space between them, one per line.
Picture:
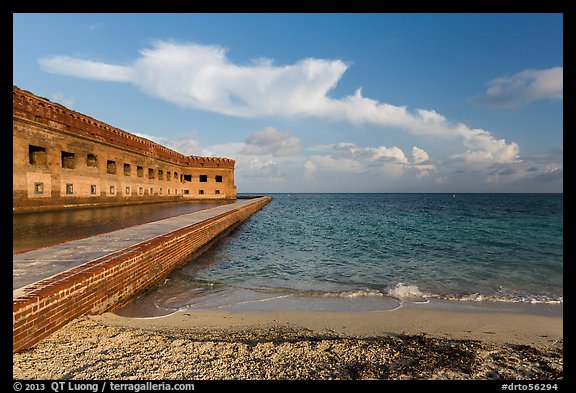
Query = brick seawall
x=108 y=282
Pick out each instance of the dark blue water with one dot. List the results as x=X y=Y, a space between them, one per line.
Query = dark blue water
x=495 y=247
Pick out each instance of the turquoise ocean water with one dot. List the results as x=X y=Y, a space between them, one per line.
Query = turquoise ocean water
x=329 y=251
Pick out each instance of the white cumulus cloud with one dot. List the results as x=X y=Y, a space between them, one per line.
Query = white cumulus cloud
x=202 y=77
x=374 y=154
x=419 y=156
x=484 y=148
x=422 y=162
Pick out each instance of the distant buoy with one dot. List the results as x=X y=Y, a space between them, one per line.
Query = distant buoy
x=453 y=196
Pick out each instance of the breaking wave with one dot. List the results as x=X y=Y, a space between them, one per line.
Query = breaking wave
x=518 y=298
x=411 y=293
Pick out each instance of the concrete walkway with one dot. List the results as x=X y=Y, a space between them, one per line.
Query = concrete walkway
x=32 y=266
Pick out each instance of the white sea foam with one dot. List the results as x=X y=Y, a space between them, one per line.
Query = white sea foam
x=410 y=293
x=355 y=293
x=254 y=301
x=476 y=297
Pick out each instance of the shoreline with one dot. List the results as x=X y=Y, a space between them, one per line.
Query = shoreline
x=412 y=342
x=231 y=298
x=510 y=323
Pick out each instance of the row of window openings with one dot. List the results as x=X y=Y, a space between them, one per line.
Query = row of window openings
x=39 y=189
x=37 y=156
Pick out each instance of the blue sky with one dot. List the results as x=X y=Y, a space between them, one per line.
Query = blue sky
x=320 y=102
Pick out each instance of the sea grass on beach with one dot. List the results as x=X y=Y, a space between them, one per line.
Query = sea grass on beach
x=89 y=350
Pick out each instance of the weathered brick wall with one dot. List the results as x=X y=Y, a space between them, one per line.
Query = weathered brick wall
x=111 y=281
x=63 y=159
x=40 y=110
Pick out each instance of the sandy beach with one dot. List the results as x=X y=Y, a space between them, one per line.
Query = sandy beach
x=413 y=342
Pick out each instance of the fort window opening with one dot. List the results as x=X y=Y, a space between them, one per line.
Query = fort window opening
x=111 y=168
x=69 y=189
x=217 y=192
x=185 y=192
x=176 y=176
x=68 y=160
x=140 y=171
x=160 y=174
x=160 y=191
x=127 y=169
x=151 y=190
x=92 y=189
x=127 y=190
x=91 y=161
x=150 y=173
x=187 y=177
x=37 y=155
x=201 y=192
x=203 y=178
x=38 y=188
x=218 y=179
x=112 y=190
x=140 y=191
x=168 y=177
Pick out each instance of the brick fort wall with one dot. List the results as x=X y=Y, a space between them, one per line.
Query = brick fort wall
x=106 y=283
x=63 y=159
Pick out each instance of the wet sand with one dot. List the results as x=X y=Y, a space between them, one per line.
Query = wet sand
x=413 y=342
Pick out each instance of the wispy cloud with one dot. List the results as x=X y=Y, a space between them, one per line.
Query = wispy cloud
x=96 y=26
x=86 y=69
x=60 y=98
x=182 y=143
x=202 y=77
x=523 y=88
x=271 y=141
